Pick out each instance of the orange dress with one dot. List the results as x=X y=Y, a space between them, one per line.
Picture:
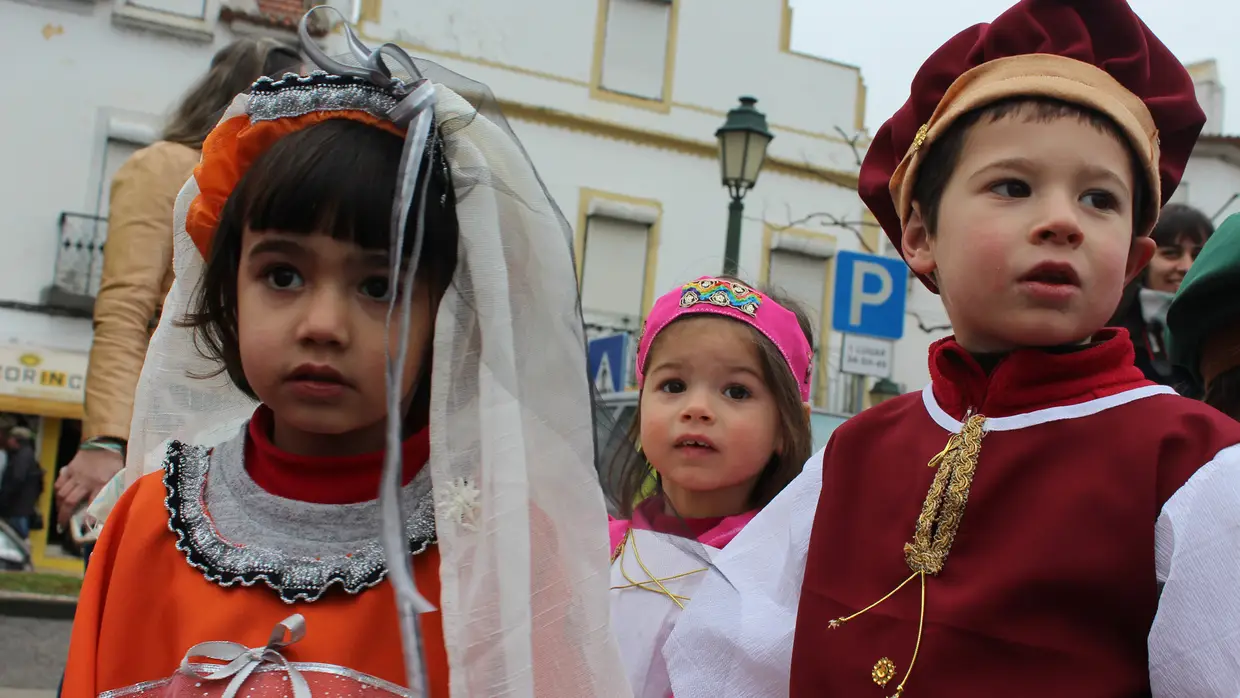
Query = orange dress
x=143 y=604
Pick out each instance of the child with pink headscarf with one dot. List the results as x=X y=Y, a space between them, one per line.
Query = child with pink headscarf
x=722 y=425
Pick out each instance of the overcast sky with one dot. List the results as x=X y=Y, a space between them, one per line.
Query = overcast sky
x=889 y=39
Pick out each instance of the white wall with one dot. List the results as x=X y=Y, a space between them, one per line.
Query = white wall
x=911 y=366
x=1209 y=182
x=695 y=214
x=724 y=48
x=78 y=73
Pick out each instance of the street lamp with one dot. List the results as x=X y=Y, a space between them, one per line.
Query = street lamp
x=743 y=139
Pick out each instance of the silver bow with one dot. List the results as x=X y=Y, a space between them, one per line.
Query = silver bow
x=244 y=661
x=415 y=110
x=370 y=67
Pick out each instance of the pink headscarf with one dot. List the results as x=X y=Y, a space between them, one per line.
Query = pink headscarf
x=739 y=302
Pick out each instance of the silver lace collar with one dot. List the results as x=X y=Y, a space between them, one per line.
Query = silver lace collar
x=236 y=533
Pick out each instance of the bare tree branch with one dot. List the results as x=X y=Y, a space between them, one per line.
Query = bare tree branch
x=921 y=324
x=852 y=142
x=830 y=220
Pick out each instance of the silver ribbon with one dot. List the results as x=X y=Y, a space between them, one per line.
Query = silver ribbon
x=415 y=111
x=243 y=661
x=370 y=68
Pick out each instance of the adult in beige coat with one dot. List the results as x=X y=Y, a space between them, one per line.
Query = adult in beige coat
x=137 y=262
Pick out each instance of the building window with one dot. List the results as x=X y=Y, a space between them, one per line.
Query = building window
x=803 y=279
x=79 y=264
x=634 y=48
x=799 y=268
x=193 y=20
x=191 y=9
x=613 y=272
x=115 y=153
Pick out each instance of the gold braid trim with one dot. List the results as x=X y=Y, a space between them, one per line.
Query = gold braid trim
x=935 y=532
x=945 y=502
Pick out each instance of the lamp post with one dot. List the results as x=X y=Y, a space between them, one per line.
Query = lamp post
x=743 y=139
x=884 y=389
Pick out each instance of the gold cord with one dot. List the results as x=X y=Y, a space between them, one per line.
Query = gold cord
x=632 y=583
x=935 y=532
x=840 y=621
x=921 y=624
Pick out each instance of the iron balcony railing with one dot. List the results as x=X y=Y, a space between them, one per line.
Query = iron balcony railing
x=79 y=256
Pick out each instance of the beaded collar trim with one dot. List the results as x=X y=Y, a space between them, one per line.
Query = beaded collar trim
x=294 y=95
x=235 y=533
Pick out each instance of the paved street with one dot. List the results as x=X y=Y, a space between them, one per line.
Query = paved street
x=32 y=656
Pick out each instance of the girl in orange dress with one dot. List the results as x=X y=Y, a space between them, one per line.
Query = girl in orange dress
x=370 y=277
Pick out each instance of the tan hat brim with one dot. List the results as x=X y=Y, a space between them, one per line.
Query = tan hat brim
x=1037 y=75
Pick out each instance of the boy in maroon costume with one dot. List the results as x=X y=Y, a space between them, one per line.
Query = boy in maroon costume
x=1077 y=531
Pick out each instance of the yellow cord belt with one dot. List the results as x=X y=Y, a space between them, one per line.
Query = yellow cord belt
x=936 y=530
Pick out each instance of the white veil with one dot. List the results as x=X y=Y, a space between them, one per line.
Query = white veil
x=521 y=522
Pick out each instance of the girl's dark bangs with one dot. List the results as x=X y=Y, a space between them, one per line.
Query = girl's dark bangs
x=308 y=182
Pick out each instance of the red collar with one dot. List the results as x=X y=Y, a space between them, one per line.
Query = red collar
x=1032 y=379
x=322 y=480
x=715 y=531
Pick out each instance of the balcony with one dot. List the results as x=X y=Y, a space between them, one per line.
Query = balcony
x=79 y=262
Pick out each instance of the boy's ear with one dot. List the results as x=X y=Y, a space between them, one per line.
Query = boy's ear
x=915 y=243
x=1139 y=255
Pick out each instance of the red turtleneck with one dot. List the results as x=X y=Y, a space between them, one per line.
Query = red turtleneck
x=323 y=480
x=1032 y=379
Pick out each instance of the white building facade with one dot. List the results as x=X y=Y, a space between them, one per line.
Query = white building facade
x=89 y=82
x=1212 y=178
x=616 y=101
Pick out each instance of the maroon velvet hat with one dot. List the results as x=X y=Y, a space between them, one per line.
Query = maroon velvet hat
x=1096 y=53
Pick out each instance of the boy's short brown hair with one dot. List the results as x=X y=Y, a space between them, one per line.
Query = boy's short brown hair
x=944 y=154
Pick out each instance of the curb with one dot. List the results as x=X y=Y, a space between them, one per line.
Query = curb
x=37 y=606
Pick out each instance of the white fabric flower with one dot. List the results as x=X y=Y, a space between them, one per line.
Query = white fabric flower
x=460 y=501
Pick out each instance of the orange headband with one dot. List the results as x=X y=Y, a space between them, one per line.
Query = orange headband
x=230 y=150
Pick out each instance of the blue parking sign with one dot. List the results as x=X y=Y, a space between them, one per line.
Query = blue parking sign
x=870 y=292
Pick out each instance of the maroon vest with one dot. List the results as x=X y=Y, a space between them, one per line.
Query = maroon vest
x=1050 y=587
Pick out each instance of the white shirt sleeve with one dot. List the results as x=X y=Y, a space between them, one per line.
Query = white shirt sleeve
x=735 y=637
x=1194 y=643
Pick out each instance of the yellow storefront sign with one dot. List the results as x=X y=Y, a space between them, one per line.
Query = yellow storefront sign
x=51 y=385
x=40 y=381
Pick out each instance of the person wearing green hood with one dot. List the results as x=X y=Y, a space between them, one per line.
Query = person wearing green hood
x=1203 y=322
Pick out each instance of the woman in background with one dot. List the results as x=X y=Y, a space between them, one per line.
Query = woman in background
x=1180 y=233
x=137 y=268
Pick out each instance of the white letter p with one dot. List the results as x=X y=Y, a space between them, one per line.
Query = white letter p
x=860 y=297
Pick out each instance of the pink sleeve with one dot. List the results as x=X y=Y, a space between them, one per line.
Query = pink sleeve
x=616 y=528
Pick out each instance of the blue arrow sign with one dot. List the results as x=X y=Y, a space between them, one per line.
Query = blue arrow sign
x=606 y=362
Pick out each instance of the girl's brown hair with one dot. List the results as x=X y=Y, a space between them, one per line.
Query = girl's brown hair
x=233 y=69
x=630 y=472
